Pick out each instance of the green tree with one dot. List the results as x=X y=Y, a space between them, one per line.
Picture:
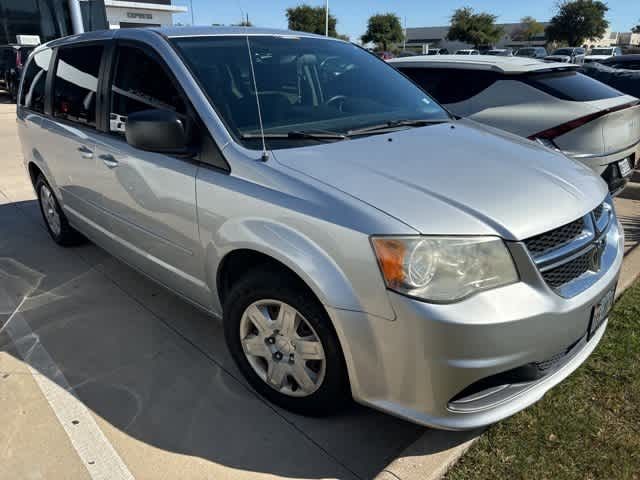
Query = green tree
x=475 y=28
x=577 y=21
x=636 y=29
x=383 y=29
x=305 y=18
x=528 y=29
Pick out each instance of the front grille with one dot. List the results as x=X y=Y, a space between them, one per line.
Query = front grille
x=563 y=274
x=598 y=211
x=554 y=239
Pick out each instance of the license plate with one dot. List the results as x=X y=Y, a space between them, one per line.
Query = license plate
x=625 y=167
x=601 y=311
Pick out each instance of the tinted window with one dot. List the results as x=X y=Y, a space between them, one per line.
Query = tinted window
x=35 y=77
x=571 y=86
x=451 y=85
x=564 y=51
x=76 y=84
x=601 y=51
x=140 y=83
x=303 y=84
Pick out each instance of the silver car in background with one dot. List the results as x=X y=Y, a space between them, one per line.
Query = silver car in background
x=552 y=104
x=356 y=240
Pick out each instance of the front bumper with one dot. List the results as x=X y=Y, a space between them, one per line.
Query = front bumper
x=417 y=366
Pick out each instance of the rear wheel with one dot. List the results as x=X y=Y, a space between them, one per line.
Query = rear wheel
x=54 y=218
x=281 y=339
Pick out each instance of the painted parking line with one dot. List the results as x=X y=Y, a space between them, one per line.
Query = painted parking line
x=97 y=454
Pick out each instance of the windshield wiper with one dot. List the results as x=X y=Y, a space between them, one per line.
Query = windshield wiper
x=384 y=127
x=298 y=135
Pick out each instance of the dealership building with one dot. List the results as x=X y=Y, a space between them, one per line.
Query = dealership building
x=424 y=38
x=141 y=13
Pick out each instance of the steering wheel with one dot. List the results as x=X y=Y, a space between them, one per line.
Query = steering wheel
x=336 y=101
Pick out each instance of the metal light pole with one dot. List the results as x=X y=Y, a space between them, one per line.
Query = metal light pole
x=326 y=20
x=192 y=21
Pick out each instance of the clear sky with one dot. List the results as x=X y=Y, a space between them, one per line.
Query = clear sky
x=352 y=15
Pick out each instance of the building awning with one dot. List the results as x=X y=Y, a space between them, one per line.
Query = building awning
x=144 y=6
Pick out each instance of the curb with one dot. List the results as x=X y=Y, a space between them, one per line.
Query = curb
x=414 y=464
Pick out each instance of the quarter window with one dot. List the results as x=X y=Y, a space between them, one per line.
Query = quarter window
x=76 y=84
x=33 y=86
x=140 y=83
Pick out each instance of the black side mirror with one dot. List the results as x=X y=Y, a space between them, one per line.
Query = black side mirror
x=158 y=131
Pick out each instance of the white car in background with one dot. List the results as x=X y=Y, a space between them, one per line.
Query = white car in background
x=598 y=54
x=467 y=51
x=551 y=103
x=567 y=55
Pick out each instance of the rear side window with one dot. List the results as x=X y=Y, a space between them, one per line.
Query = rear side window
x=33 y=87
x=141 y=83
x=451 y=85
x=571 y=86
x=76 y=84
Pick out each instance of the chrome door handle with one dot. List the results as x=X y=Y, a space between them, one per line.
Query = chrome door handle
x=109 y=160
x=85 y=152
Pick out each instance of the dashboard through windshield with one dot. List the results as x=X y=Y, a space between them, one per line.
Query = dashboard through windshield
x=309 y=89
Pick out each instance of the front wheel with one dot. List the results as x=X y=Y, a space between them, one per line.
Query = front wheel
x=282 y=341
x=54 y=218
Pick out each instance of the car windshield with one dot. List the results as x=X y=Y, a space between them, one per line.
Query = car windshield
x=309 y=89
x=564 y=51
x=525 y=52
x=602 y=51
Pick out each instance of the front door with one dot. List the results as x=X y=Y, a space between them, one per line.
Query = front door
x=150 y=197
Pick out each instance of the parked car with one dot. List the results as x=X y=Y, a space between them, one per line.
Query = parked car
x=12 y=58
x=532 y=52
x=624 y=62
x=356 y=239
x=467 y=52
x=624 y=80
x=500 y=52
x=550 y=103
x=407 y=53
x=602 y=53
x=385 y=55
x=437 y=51
x=567 y=55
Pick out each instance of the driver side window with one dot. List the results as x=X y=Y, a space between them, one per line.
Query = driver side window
x=140 y=83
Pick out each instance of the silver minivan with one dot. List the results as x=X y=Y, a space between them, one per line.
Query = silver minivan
x=355 y=239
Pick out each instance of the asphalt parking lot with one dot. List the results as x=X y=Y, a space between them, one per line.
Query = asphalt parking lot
x=103 y=374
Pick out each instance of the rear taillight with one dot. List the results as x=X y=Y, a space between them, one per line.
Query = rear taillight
x=18 y=59
x=555 y=132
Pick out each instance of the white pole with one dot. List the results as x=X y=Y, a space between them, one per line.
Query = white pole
x=326 y=22
x=76 y=16
x=404 y=42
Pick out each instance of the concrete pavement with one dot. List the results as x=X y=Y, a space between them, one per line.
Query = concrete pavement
x=154 y=375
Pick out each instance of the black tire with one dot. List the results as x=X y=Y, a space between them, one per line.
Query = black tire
x=13 y=91
x=67 y=236
x=334 y=393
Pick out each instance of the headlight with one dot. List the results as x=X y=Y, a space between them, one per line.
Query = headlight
x=444 y=269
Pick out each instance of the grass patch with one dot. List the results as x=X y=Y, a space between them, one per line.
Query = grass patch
x=588 y=427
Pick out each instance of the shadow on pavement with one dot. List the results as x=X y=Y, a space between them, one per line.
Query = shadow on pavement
x=157 y=370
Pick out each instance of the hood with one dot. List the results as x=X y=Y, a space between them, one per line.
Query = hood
x=597 y=57
x=455 y=179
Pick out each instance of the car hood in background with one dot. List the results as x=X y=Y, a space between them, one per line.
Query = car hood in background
x=455 y=180
x=558 y=58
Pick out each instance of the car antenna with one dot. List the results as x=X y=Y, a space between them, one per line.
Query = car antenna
x=265 y=153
